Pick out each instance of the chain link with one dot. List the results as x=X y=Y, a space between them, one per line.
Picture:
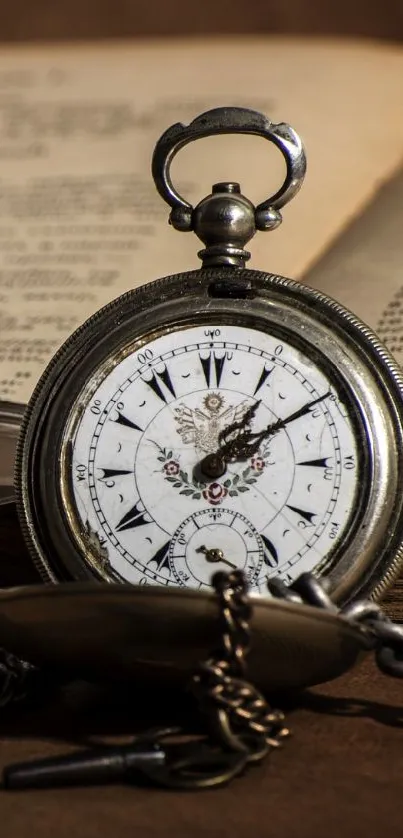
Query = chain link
x=381 y=633
x=240 y=717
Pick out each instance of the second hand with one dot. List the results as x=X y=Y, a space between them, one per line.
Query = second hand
x=215 y=555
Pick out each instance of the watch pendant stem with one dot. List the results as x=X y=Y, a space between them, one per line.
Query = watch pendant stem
x=225 y=222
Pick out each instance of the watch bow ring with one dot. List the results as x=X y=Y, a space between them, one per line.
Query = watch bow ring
x=229 y=121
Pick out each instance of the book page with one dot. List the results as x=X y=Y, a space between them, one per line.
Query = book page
x=363 y=270
x=80 y=220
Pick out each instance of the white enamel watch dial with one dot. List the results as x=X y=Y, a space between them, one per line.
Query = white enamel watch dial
x=145 y=428
x=218 y=418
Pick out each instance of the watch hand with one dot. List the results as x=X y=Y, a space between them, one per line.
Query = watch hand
x=301 y=412
x=215 y=555
x=246 y=444
x=250 y=442
x=214 y=465
x=241 y=426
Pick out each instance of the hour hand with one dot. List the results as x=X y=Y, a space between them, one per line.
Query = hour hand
x=231 y=439
x=242 y=426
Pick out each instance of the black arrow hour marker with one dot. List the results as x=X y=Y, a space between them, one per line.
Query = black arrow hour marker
x=133 y=518
x=161 y=557
x=322 y=463
x=213 y=364
x=302 y=513
x=107 y=473
x=263 y=377
x=123 y=420
x=155 y=384
x=270 y=555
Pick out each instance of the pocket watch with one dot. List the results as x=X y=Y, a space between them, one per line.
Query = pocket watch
x=216 y=419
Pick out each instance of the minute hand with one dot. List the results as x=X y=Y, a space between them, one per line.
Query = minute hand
x=247 y=443
x=296 y=415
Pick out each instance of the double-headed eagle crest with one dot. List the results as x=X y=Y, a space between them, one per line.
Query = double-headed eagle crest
x=203 y=429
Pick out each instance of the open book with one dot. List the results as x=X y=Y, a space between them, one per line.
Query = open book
x=80 y=220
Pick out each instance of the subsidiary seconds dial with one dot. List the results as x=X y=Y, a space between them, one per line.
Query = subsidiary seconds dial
x=134 y=453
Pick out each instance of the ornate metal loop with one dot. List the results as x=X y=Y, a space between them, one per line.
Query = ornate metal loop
x=202 y=767
x=389 y=633
x=389 y=654
x=230 y=121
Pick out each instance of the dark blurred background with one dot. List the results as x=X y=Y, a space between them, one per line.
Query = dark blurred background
x=22 y=20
